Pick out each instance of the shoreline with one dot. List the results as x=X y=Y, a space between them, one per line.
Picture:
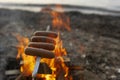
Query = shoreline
x=38 y=7
x=67 y=8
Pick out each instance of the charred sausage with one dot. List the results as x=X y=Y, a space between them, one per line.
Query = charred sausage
x=47 y=46
x=46 y=33
x=39 y=52
x=42 y=39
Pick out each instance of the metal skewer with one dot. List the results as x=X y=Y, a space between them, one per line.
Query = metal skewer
x=34 y=73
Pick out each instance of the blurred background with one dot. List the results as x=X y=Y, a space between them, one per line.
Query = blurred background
x=110 y=4
x=113 y=5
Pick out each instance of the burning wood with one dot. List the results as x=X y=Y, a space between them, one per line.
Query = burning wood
x=44 y=69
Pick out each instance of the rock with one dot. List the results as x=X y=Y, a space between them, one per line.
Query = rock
x=90 y=76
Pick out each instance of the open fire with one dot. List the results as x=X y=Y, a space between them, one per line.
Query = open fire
x=92 y=48
x=56 y=64
x=60 y=20
x=28 y=61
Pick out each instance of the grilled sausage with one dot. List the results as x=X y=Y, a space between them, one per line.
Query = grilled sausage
x=42 y=39
x=47 y=46
x=46 y=33
x=39 y=52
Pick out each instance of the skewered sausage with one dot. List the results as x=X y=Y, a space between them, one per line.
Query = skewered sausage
x=47 y=46
x=46 y=33
x=42 y=39
x=39 y=52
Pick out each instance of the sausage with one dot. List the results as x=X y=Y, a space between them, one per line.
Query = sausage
x=39 y=52
x=47 y=46
x=42 y=39
x=47 y=33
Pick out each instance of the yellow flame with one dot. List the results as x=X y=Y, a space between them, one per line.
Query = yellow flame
x=59 y=52
x=28 y=61
x=60 y=20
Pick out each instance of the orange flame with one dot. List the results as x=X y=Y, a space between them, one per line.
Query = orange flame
x=57 y=63
x=60 y=20
x=28 y=61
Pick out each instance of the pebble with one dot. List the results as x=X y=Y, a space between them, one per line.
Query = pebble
x=118 y=70
x=113 y=76
x=83 y=55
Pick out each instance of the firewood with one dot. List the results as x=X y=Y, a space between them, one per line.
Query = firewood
x=44 y=69
x=12 y=72
x=19 y=77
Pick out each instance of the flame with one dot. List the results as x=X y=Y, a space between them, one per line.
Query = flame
x=56 y=64
x=59 y=52
x=28 y=61
x=60 y=20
